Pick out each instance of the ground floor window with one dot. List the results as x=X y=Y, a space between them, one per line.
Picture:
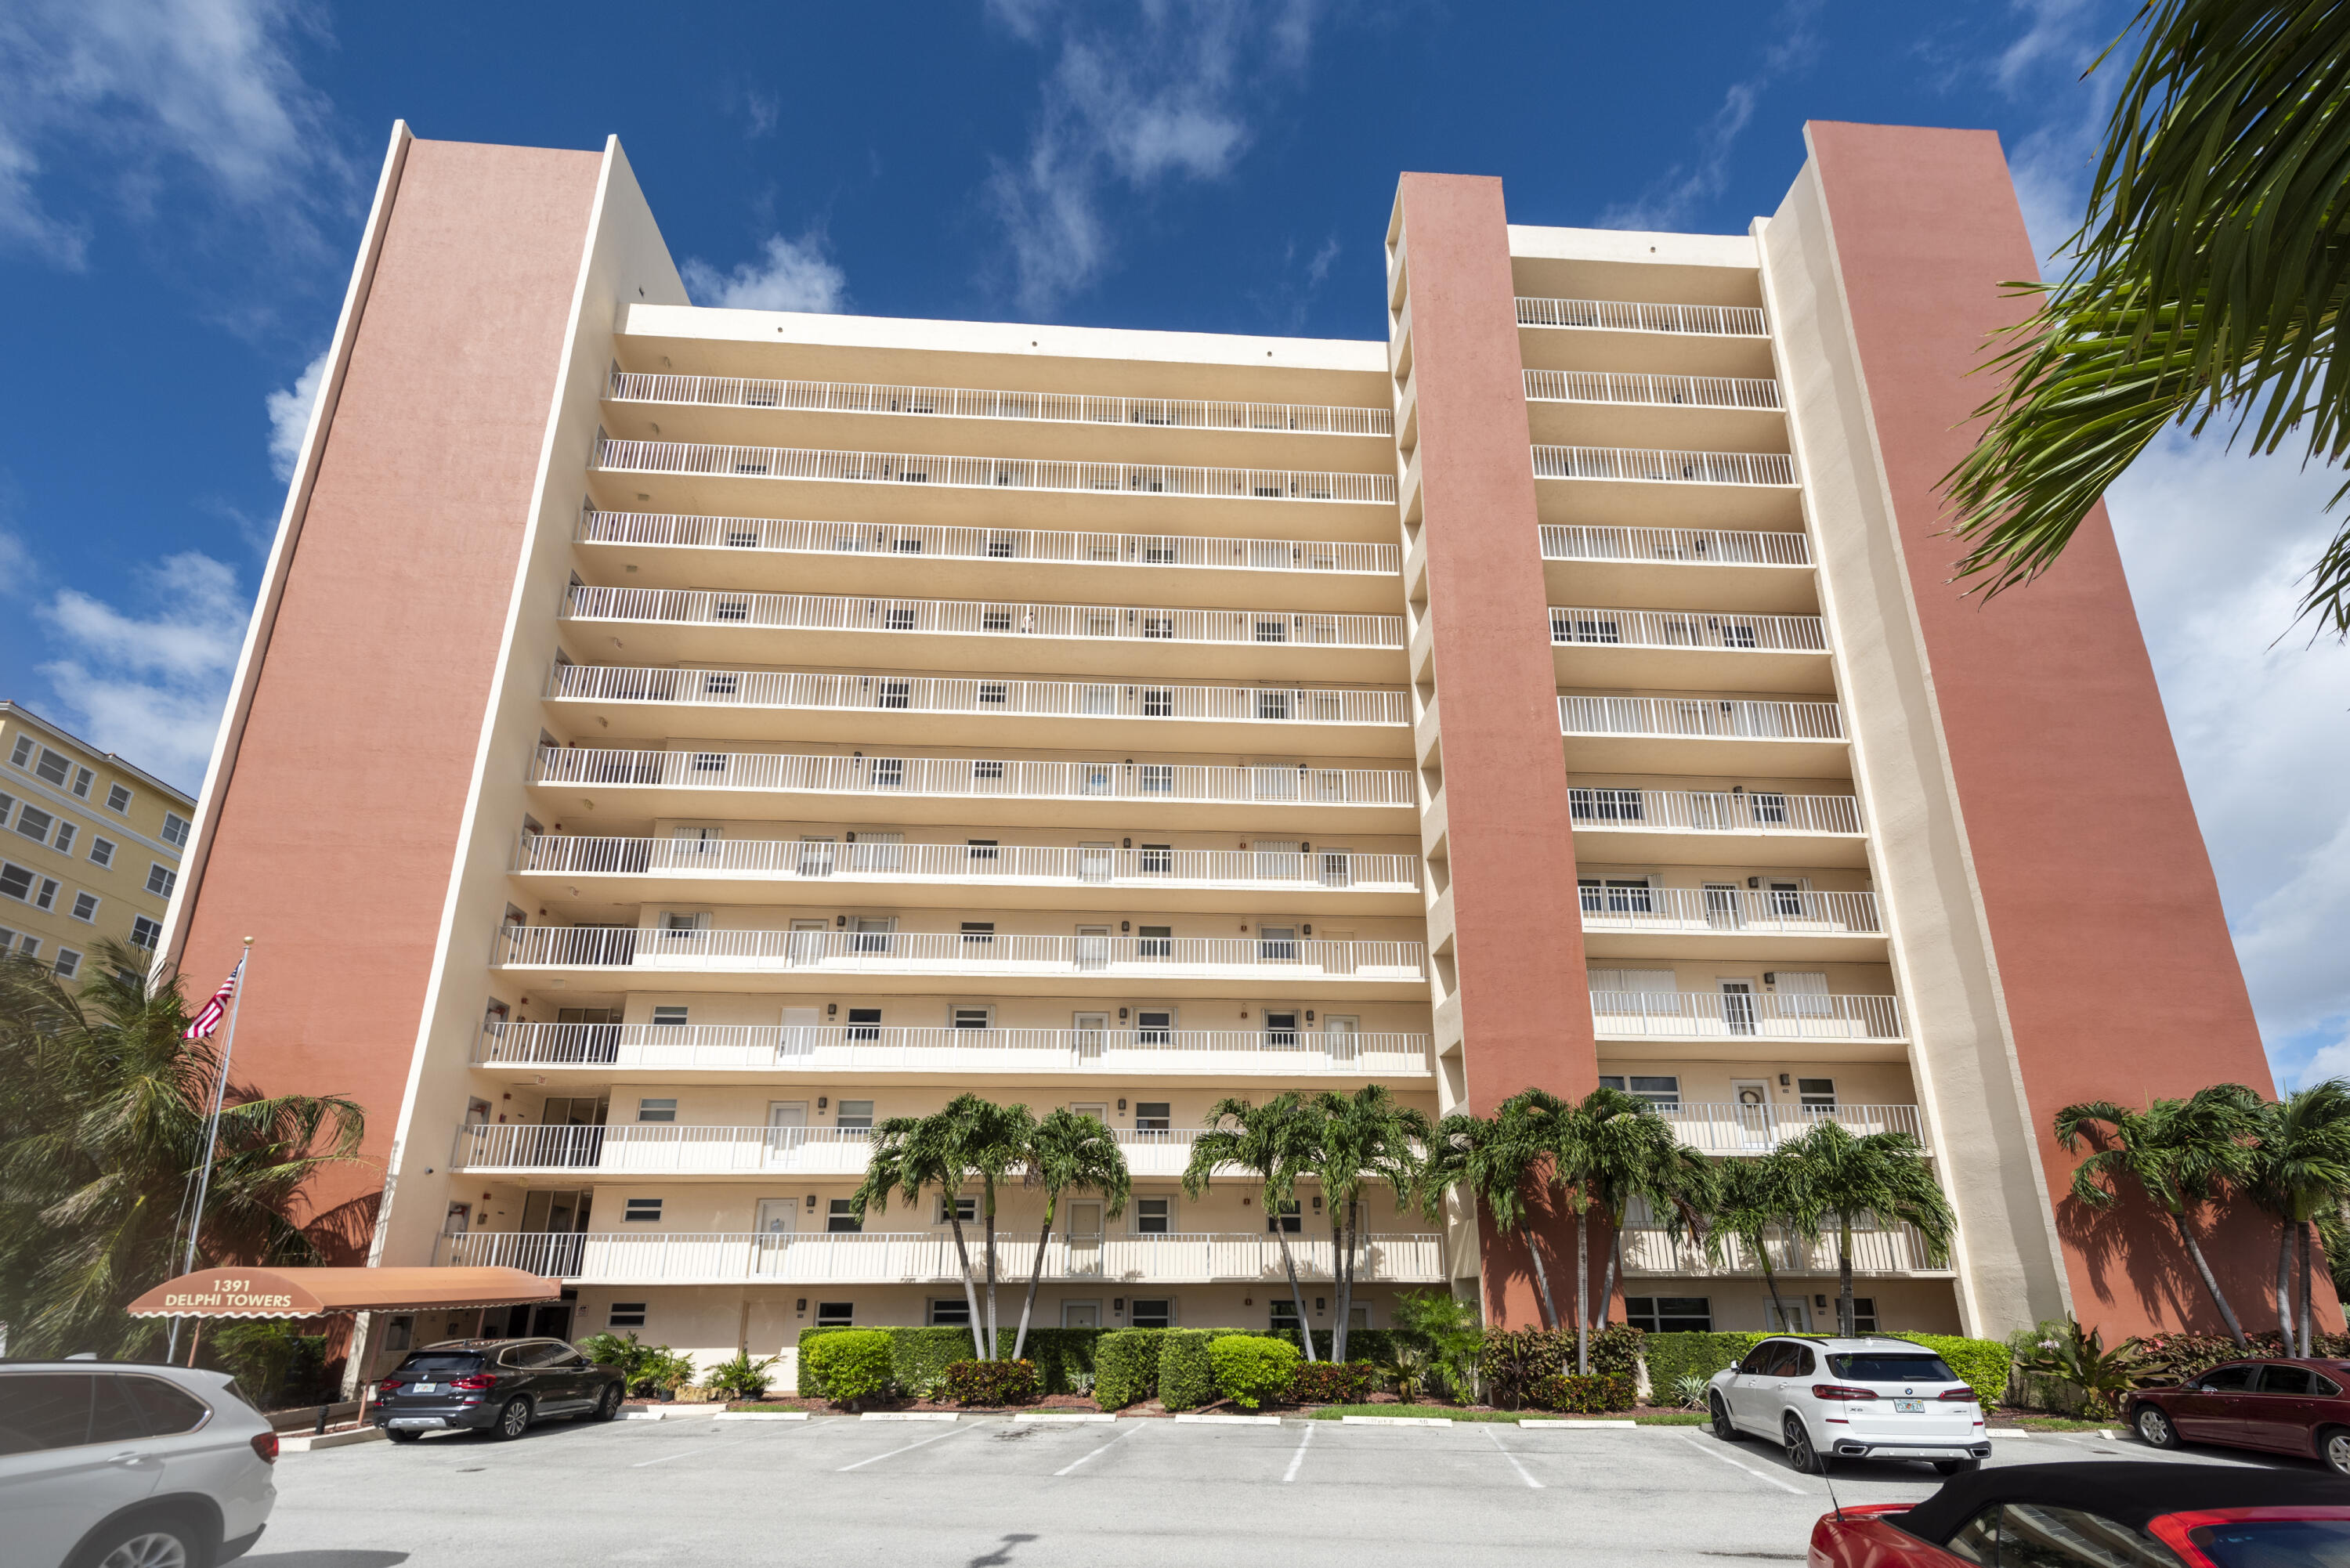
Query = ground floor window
x=1153 y=1313
x=950 y=1312
x=1864 y=1315
x=835 y=1315
x=1671 y=1315
x=626 y=1315
x=1285 y=1312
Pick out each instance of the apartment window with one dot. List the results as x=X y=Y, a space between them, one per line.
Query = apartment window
x=24 y=887
x=161 y=879
x=1153 y=1217
x=641 y=1211
x=29 y=945
x=1671 y=1315
x=85 y=907
x=1285 y=1313
x=625 y=1314
x=1664 y=1092
x=1604 y=804
x=1615 y=895
x=978 y=934
x=1864 y=1315
x=1152 y=1313
x=896 y=694
x=841 y=1219
x=1155 y=778
x=24 y=751
x=1281 y=1030
x=889 y=772
x=984 y=772
x=175 y=830
x=1277 y=944
x=856 y=1116
x=64 y=841
x=1157 y=703
x=982 y=855
x=1816 y=1094
x=1154 y=942
x=656 y=1110
x=145 y=933
x=68 y=963
x=669 y=1017
x=1154 y=1026
x=721 y=683
x=863 y=1024
x=1770 y=810
x=1001 y=546
x=994 y=694
x=83 y=778
x=973 y=1018
x=835 y=1315
x=948 y=1312
x=1157 y=860
x=117 y=799
x=1289 y=1219
x=101 y=851
x=966 y=1210
x=34 y=823
x=1151 y=1115
x=52 y=768
x=995 y=618
x=1272 y=704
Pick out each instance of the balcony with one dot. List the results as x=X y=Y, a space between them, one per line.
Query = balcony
x=1614 y=334
x=1621 y=921
x=1687 y=826
x=1651 y=486
x=1751 y=569
x=953 y=634
x=1738 y=413
x=1687 y=648
x=1622 y=316
x=862 y=557
x=929 y=1257
x=1758 y=1129
x=646 y=958
x=1900 y=1251
x=637 y=1148
x=1704 y=735
x=958 y=875
x=740 y=704
x=1716 y=1017
x=757 y=1052
x=937 y=488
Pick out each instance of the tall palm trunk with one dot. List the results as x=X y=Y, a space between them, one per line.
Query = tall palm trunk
x=2301 y=1231
x=993 y=1345
x=1582 y=1293
x=1035 y=1275
x=1762 y=1241
x=969 y=1292
x=1289 y=1267
x=2210 y=1285
x=1844 y=1275
x=1615 y=1268
x=2284 y=1285
x=1542 y=1276
x=1342 y=1269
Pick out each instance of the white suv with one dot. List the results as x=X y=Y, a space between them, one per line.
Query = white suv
x=1851 y=1398
x=108 y=1464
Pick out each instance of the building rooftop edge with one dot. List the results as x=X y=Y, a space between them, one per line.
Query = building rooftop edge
x=9 y=707
x=1653 y=247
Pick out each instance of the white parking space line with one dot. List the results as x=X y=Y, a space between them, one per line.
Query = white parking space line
x=1741 y=1464
x=695 y=1451
x=908 y=1449
x=1298 y=1457
x=1105 y=1447
x=1523 y=1473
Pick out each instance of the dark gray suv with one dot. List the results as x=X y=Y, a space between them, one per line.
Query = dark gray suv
x=494 y=1385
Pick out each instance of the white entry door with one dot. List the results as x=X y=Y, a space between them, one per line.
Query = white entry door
x=1092 y=947
x=808 y=940
x=1085 y=1233
x=800 y=1026
x=1081 y=1314
x=777 y=1216
x=1339 y=1033
x=1752 y=1096
x=1092 y=1035
x=786 y=1130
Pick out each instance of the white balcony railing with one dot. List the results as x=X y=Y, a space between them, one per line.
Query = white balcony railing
x=639 y=1148
x=1650 y=465
x=1739 y=1015
x=1895 y=1251
x=1663 y=391
x=957 y=617
x=1620 y=316
x=1687 y=546
x=991 y=473
x=1694 y=811
x=1757 y=1129
x=948 y=402
x=1789 y=911
x=1044 y=547
x=945 y=694
x=1686 y=629
x=974 y=956
x=862 y=1048
x=993 y=778
x=929 y=1257
x=975 y=866
x=1700 y=717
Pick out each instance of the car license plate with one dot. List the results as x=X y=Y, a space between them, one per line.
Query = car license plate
x=423 y=1387
x=1909 y=1406
x=418 y=1421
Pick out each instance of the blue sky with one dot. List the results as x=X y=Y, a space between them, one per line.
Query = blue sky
x=183 y=182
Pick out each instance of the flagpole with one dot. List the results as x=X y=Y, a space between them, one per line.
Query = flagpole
x=212 y=1136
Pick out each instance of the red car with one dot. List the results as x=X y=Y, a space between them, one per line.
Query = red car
x=2280 y=1406
x=2146 y=1513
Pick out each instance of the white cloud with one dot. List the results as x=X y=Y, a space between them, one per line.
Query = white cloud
x=793 y=275
x=289 y=416
x=151 y=686
x=147 y=88
x=1162 y=98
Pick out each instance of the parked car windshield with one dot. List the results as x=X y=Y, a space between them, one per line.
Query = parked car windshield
x=1891 y=1367
x=2261 y=1543
x=445 y=1363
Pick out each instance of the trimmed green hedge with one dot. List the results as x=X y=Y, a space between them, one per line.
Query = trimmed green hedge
x=1250 y=1368
x=1982 y=1363
x=1571 y=1395
x=1187 y=1378
x=1126 y=1366
x=850 y=1364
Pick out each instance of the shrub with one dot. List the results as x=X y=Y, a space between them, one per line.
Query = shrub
x=1253 y=1369
x=849 y=1366
x=1616 y=1348
x=1064 y=1356
x=919 y=1357
x=1187 y=1378
x=1689 y=1391
x=1446 y=1331
x=1126 y=1366
x=1582 y=1395
x=740 y=1378
x=1330 y=1382
x=992 y=1382
x=1362 y=1344
x=1513 y=1360
x=1983 y=1364
x=1673 y=1357
x=271 y=1362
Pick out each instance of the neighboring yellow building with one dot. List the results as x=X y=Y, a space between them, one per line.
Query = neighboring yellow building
x=92 y=847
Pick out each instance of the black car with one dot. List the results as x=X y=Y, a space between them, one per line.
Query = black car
x=494 y=1385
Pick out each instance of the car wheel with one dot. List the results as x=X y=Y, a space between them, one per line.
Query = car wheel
x=1802 y=1458
x=1955 y=1466
x=2154 y=1426
x=403 y=1433
x=144 y=1543
x=608 y=1404
x=2334 y=1447
x=1723 y=1426
x=513 y=1419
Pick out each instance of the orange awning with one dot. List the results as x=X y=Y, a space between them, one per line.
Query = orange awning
x=307 y=1293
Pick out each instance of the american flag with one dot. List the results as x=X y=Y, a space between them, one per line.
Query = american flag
x=217 y=1008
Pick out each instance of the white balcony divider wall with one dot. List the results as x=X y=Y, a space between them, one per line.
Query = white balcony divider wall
x=956 y=952
x=1694 y=546
x=1728 y=718
x=1619 y=316
x=1720 y=630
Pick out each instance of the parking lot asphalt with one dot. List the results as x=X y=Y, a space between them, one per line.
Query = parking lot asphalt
x=991 y=1492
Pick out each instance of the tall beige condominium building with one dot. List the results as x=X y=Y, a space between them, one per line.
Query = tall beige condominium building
x=92 y=847
x=780 y=722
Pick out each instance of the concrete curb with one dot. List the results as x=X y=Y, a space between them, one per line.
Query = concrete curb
x=762 y=1416
x=1221 y=1421
x=908 y=1416
x=1395 y=1421
x=310 y=1442
x=1578 y=1423
x=1062 y=1416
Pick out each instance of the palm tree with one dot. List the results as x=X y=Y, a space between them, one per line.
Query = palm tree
x=2208 y=283
x=1608 y=1149
x=968 y=1139
x=1273 y=1142
x=2302 y=1170
x=1068 y=1152
x=2181 y=1153
x=1365 y=1137
x=1882 y=1174
x=102 y=1131
x=1754 y=1196
x=1498 y=1161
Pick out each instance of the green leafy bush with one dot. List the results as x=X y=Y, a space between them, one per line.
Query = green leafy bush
x=1126 y=1366
x=1616 y=1348
x=1064 y=1357
x=1673 y=1357
x=992 y=1382
x=1187 y=1378
x=1982 y=1364
x=1362 y=1344
x=272 y=1362
x=1253 y=1369
x=1330 y=1382
x=1513 y=1360
x=740 y=1378
x=1445 y=1330
x=849 y=1366
x=919 y=1357
x=1564 y=1391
